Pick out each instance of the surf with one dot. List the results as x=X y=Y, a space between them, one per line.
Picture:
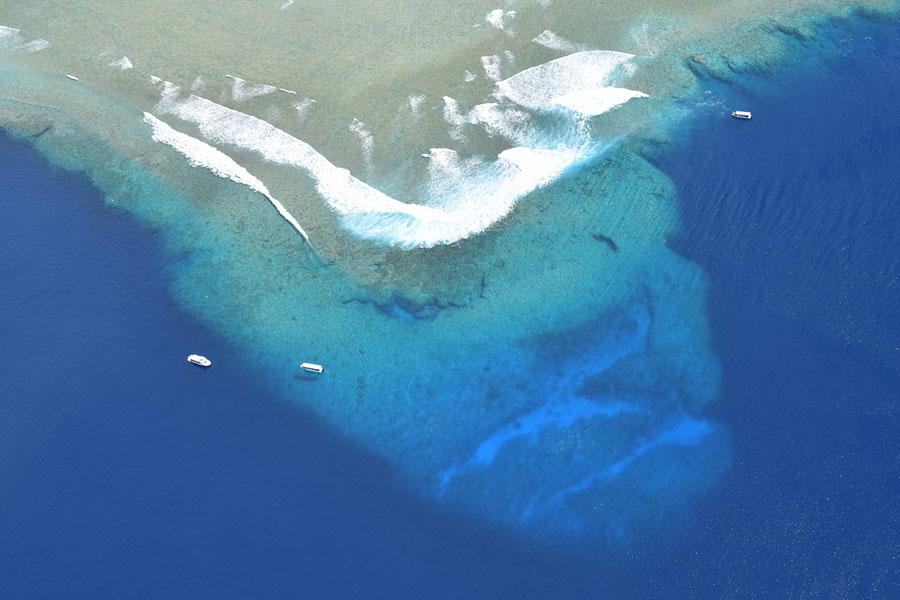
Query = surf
x=465 y=197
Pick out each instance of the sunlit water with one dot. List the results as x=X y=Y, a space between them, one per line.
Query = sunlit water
x=467 y=233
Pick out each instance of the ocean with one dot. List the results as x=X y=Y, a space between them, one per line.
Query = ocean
x=705 y=408
x=794 y=217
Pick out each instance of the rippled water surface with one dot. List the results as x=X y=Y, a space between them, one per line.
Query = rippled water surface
x=562 y=352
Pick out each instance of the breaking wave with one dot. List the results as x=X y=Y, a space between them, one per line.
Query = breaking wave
x=201 y=154
x=465 y=196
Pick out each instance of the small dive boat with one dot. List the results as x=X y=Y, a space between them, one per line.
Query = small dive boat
x=200 y=361
x=72 y=77
x=312 y=367
x=741 y=114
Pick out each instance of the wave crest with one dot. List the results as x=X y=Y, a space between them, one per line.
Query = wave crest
x=464 y=197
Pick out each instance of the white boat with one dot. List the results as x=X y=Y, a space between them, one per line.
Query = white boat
x=198 y=360
x=741 y=114
x=312 y=367
x=72 y=77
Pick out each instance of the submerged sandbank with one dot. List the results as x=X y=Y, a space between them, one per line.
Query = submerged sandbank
x=476 y=330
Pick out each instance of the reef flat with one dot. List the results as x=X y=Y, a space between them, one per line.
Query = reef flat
x=451 y=207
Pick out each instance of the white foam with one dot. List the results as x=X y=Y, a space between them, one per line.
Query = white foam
x=538 y=86
x=453 y=179
x=491 y=66
x=415 y=105
x=507 y=122
x=444 y=161
x=36 y=45
x=365 y=139
x=469 y=76
x=170 y=88
x=495 y=18
x=596 y=101
x=500 y=20
x=303 y=106
x=10 y=37
x=198 y=84
x=123 y=63
x=550 y=40
x=241 y=91
x=539 y=166
x=453 y=116
x=482 y=192
x=201 y=154
x=364 y=209
x=497 y=64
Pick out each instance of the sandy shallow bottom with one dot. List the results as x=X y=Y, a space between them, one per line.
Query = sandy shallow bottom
x=486 y=279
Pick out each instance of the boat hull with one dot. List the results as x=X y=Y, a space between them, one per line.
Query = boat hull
x=200 y=361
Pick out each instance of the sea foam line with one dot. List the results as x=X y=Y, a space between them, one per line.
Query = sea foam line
x=9 y=34
x=596 y=101
x=240 y=91
x=123 y=63
x=344 y=193
x=12 y=36
x=366 y=141
x=465 y=197
x=500 y=20
x=548 y=39
x=36 y=45
x=201 y=154
x=365 y=210
x=540 y=85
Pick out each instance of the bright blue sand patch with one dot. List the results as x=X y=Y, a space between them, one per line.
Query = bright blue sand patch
x=580 y=466
x=686 y=431
x=563 y=406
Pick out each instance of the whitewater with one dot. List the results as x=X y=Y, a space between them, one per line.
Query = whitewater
x=490 y=186
x=492 y=291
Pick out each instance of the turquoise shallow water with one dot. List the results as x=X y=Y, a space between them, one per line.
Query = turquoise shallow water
x=552 y=376
x=527 y=403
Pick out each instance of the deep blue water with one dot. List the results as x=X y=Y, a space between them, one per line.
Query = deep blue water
x=124 y=472
x=794 y=216
x=127 y=472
